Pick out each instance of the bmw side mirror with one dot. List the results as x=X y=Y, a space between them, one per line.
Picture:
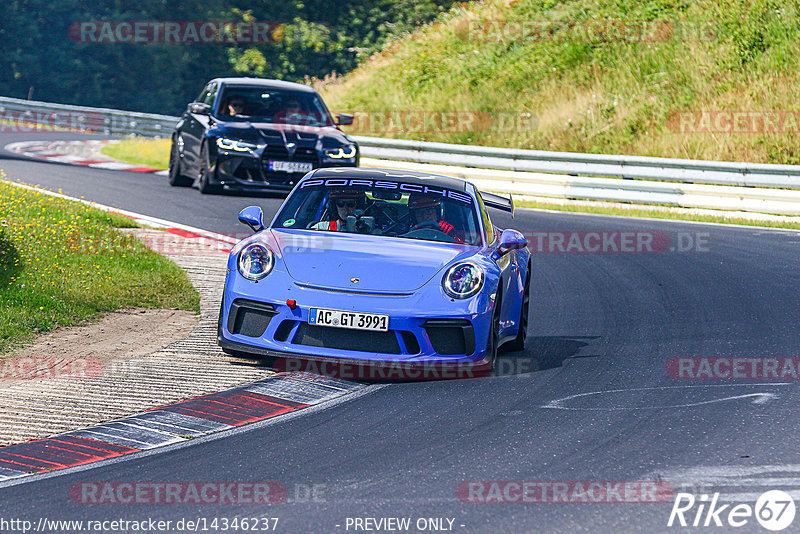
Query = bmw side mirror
x=199 y=108
x=344 y=119
x=253 y=217
x=509 y=240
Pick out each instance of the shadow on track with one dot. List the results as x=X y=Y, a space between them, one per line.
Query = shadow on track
x=543 y=352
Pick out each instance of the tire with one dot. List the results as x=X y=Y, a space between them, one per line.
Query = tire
x=176 y=177
x=518 y=342
x=204 y=177
x=492 y=348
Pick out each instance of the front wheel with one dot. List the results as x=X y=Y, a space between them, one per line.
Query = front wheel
x=175 y=176
x=519 y=342
x=494 y=334
x=204 y=180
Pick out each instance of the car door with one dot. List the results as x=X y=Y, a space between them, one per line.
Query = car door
x=509 y=273
x=195 y=126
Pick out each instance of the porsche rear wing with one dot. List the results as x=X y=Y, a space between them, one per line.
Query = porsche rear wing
x=496 y=201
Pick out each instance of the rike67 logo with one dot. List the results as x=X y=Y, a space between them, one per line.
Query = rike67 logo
x=774 y=510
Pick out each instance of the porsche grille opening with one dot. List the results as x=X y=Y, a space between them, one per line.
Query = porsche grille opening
x=249 y=318
x=450 y=336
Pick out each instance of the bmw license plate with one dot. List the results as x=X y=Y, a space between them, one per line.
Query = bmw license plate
x=290 y=166
x=346 y=319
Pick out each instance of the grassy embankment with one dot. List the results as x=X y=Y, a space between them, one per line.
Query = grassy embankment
x=63 y=263
x=571 y=87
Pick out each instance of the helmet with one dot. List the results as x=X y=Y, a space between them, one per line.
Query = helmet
x=420 y=200
x=352 y=195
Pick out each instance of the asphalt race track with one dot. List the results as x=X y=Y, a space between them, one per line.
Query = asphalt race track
x=603 y=324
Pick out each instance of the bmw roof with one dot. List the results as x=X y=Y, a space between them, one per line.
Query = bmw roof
x=263 y=82
x=455 y=184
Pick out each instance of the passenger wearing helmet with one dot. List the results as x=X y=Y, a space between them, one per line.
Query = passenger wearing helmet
x=427 y=213
x=342 y=204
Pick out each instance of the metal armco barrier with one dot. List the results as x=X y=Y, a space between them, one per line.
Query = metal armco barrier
x=752 y=187
x=28 y=116
x=635 y=167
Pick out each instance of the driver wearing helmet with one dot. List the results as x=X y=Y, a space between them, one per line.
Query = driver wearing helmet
x=427 y=213
x=345 y=202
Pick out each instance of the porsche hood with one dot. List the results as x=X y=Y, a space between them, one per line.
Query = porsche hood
x=362 y=263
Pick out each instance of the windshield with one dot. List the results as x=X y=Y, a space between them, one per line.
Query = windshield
x=257 y=104
x=391 y=209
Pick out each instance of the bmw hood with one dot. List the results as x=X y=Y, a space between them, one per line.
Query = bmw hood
x=282 y=134
x=356 y=262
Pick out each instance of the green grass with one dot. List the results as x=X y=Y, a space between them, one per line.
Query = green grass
x=153 y=153
x=64 y=263
x=600 y=94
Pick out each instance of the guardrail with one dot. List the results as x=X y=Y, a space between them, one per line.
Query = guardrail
x=716 y=185
x=25 y=115
x=633 y=167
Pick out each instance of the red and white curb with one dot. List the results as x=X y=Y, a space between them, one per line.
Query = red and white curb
x=273 y=396
x=82 y=153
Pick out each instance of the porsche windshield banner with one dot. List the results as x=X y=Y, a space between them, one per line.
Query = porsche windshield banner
x=388 y=185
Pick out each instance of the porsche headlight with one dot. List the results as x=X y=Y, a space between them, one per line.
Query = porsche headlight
x=256 y=261
x=347 y=152
x=238 y=146
x=463 y=280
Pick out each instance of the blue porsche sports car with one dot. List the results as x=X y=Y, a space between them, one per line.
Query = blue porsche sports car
x=369 y=265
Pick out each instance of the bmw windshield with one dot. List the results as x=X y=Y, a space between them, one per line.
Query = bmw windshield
x=259 y=104
x=385 y=208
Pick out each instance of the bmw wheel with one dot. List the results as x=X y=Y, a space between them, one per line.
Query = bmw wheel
x=204 y=179
x=175 y=176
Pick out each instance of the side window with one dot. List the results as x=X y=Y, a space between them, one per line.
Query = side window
x=487 y=222
x=211 y=94
x=203 y=94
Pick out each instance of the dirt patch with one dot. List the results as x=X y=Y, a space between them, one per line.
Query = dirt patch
x=116 y=337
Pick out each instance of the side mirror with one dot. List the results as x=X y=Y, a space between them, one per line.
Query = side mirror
x=344 y=119
x=509 y=240
x=199 y=108
x=253 y=217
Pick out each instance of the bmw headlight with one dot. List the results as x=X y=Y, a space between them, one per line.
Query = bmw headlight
x=238 y=146
x=346 y=152
x=463 y=280
x=256 y=261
